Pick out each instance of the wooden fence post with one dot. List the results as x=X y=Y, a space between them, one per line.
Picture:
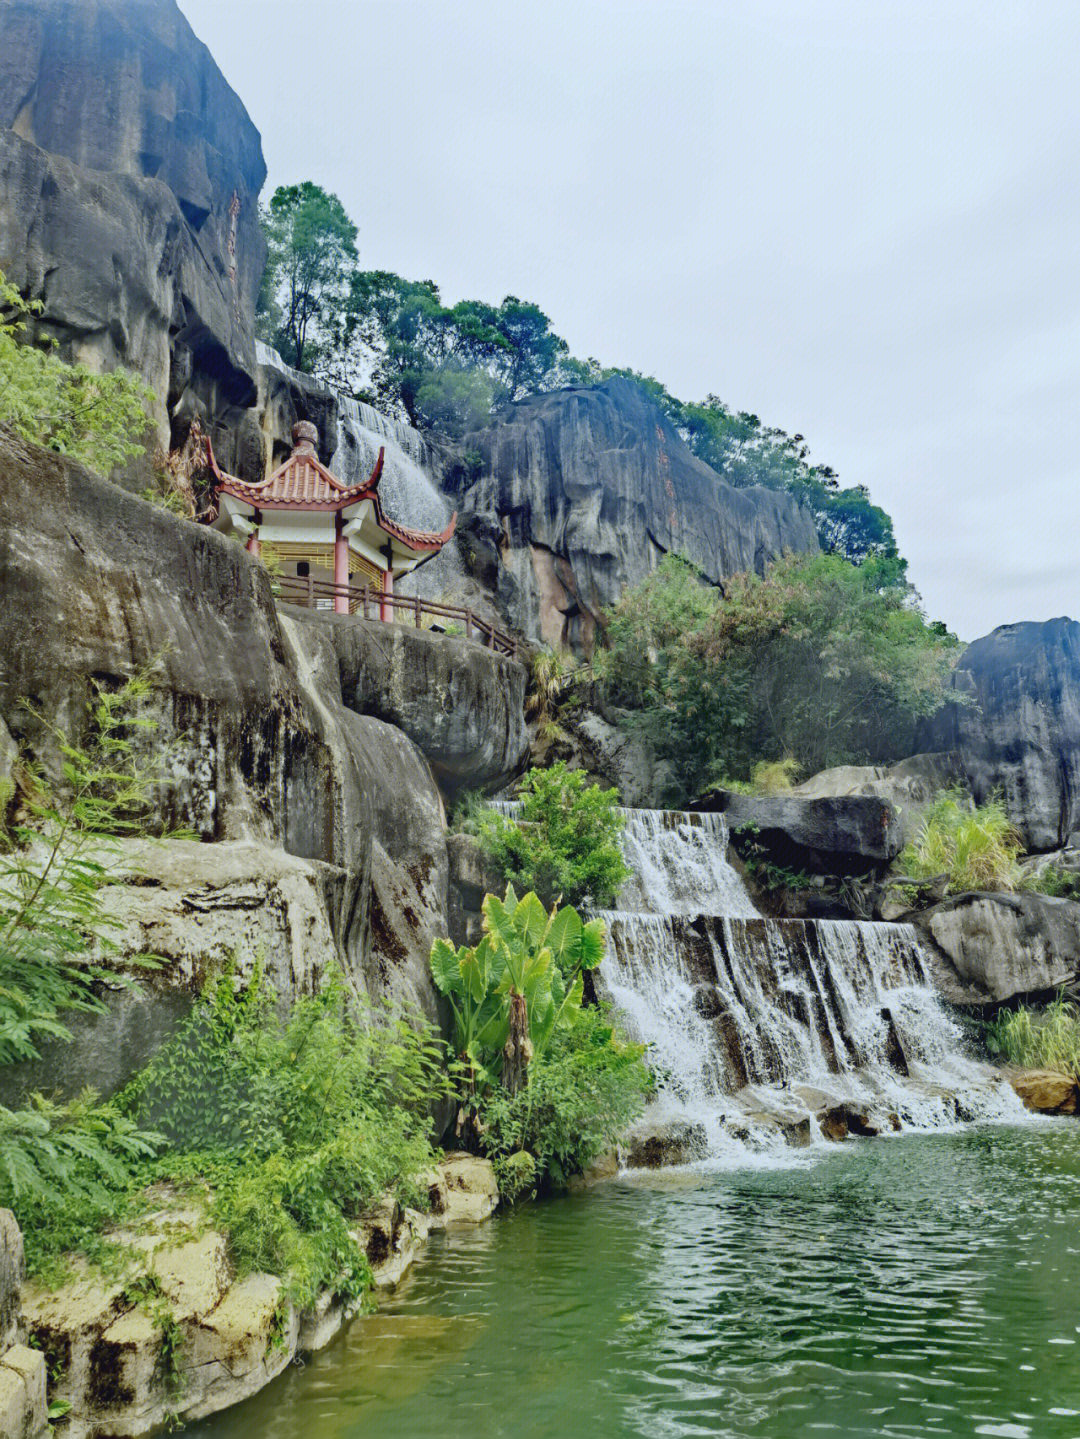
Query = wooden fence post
x=364 y=590
x=417 y=608
x=310 y=591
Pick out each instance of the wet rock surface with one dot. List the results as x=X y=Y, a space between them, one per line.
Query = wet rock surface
x=236 y=1334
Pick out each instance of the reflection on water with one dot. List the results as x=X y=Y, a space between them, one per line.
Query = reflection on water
x=911 y=1287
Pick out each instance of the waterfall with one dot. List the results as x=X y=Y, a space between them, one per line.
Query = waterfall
x=755 y=1024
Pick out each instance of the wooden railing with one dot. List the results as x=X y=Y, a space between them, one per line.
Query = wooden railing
x=371 y=604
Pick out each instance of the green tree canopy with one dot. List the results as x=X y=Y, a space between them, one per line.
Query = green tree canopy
x=819 y=660
x=311 y=253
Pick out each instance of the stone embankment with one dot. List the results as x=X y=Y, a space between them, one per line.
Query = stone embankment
x=200 y=1339
x=23 y=1406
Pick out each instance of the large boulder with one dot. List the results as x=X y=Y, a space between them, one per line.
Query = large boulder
x=129 y=182
x=991 y=948
x=1046 y=1091
x=588 y=488
x=837 y=835
x=462 y=704
x=1018 y=729
x=911 y=786
x=22 y=1370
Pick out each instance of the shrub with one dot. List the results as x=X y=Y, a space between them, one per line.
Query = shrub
x=582 y=1093
x=776 y=776
x=1053 y=881
x=297 y=1123
x=98 y=419
x=564 y=846
x=53 y=864
x=1049 y=1039
x=67 y=1168
x=551 y=691
x=978 y=848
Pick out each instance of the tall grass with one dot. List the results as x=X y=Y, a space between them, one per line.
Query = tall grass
x=978 y=848
x=1047 y=1039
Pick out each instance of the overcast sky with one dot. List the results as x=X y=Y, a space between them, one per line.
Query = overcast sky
x=860 y=220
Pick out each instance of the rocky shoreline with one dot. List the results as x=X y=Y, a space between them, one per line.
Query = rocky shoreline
x=179 y=1336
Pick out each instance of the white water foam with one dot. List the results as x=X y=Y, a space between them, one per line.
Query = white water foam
x=756 y=1024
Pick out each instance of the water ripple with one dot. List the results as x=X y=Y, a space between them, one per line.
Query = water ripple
x=902 y=1289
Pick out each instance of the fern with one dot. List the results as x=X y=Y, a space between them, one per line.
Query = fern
x=54 y=861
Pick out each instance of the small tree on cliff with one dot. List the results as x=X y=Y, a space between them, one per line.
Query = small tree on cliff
x=311 y=245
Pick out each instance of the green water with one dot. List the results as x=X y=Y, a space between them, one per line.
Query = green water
x=915 y=1286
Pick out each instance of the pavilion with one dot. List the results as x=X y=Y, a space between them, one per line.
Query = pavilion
x=311 y=518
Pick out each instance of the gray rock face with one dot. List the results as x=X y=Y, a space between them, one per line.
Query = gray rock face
x=1019 y=735
x=999 y=947
x=12 y=1273
x=259 y=746
x=462 y=704
x=836 y=835
x=590 y=487
x=910 y=786
x=129 y=182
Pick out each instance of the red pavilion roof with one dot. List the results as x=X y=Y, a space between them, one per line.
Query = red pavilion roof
x=303 y=483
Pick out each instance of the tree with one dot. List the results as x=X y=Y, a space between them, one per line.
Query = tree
x=100 y=420
x=311 y=244
x=819 y=660
x=447 y=367
x=565 y=842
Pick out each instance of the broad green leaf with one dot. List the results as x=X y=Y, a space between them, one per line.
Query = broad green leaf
x=530 y=920
x=444 y=967
x=593 y=944
x=564 y=937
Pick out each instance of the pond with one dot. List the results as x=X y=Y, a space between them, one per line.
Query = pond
x=915 y=1286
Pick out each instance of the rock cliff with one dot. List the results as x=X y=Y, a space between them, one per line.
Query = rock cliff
x=310 y=806
x=129 y=183
x=1018 y=731
x=583 y=491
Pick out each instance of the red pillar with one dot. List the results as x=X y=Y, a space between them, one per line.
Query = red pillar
x=386 y=612
x=341 y=568
x=252 y=545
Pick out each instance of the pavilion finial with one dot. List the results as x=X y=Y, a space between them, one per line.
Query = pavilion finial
x=305 y=438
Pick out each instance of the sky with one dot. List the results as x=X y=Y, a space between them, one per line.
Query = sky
x=858 y=219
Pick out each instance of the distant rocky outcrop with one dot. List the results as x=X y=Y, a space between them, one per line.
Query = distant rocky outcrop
x=1018 y=732
x=584 y=490
x=129 y=182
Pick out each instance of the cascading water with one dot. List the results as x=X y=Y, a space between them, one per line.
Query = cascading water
x=756 y=1024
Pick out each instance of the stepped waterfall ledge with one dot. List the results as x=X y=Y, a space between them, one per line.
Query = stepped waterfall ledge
x=765 y=1031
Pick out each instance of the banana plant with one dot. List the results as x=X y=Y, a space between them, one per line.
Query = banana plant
x=522 y=981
